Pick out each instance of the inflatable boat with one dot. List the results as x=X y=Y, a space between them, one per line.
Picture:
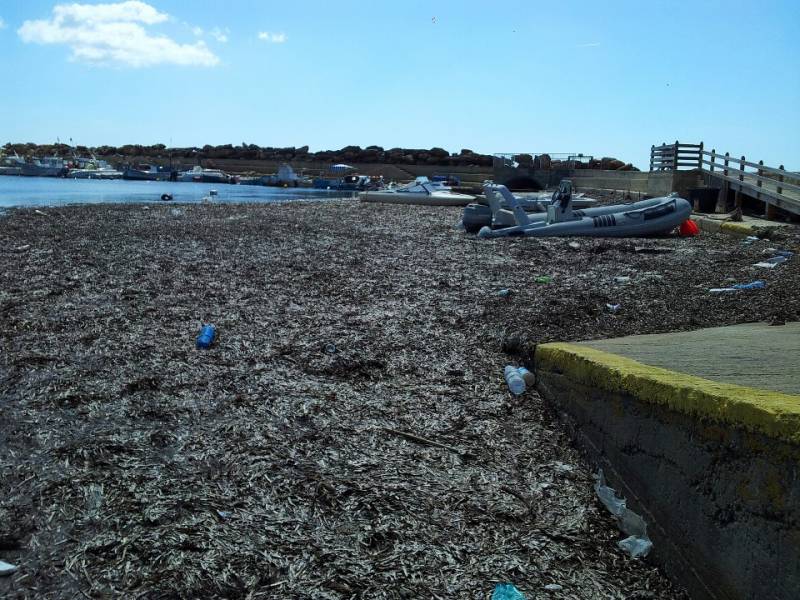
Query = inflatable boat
x=647 y=217
x=495 y=211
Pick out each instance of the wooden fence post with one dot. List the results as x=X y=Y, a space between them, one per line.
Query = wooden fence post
x=741 y=169
x=771 y=211
x=700 y=157
x=713 y=156
x=760 y=175
x=727 y=158
x=652 y=156
x=675 y=156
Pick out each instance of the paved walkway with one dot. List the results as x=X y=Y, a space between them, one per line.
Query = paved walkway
x=754 y=355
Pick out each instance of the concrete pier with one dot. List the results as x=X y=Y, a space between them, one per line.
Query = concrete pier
x=701 y=431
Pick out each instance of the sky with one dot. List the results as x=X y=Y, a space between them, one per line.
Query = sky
x=600 y=78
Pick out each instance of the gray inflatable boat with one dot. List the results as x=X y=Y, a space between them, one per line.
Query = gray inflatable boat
x=647 y=217
x=499 y=214
x=494 y=210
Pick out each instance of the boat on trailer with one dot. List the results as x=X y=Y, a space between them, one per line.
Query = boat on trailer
x=647 y=217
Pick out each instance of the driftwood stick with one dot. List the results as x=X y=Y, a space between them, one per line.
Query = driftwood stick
x=422 y=440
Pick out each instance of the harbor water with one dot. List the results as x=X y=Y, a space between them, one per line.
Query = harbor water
x=52 y=191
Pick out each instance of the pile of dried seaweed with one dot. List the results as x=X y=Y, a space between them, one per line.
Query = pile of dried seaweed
x=349 y=435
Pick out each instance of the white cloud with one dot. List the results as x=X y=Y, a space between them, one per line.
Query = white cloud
x=114 y=34
x=198 y=31
x=220 y=35
x=274 y=38
x=589 y=45
x=2 y=23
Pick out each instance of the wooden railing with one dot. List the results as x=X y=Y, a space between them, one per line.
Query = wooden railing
x=762 y=182
x=671 y=157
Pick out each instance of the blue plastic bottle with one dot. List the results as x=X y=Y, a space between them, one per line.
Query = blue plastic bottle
x=528 y=377
x=514 y=380
x=207 y=335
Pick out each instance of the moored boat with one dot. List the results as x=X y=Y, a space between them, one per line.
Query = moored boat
x=11 y=165
x=147 y=173
x=49 y=166
x=93 y=169
x=200 y=175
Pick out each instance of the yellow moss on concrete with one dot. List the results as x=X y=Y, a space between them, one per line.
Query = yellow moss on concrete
x=774 y=414
x=738 y=228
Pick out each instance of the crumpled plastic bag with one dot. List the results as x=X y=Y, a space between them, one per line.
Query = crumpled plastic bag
x=638 y=544
x=608 y=496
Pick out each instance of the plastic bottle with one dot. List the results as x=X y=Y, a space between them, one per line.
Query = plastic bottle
x=528 y=377
x=514 y=380
x=207 y=335
x=543 y=279
x=755 y=285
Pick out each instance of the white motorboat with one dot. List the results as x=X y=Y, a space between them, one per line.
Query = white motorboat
x=199 y=174
x=421 y=191
x=94 y=169
x=11 y=165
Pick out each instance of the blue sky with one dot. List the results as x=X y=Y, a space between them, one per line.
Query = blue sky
x=602 y=78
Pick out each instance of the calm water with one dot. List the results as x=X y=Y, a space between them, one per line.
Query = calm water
x=52 y=191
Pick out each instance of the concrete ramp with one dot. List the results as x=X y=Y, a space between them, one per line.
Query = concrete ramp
x=701 y=430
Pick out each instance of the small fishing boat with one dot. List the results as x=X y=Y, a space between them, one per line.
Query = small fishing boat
x=49 y=166
x=659 y=215
x=147 y=173
x=93 y=169
x=11 y=165
x=200 y=175
x=421 y=191
x=336 y=179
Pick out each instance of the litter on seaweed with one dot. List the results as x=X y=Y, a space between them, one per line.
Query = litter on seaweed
x=637 y=544
x=506 y=591
x=753 y=285
x=6 y=569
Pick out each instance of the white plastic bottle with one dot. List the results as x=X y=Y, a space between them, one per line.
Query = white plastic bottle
x=514 y=380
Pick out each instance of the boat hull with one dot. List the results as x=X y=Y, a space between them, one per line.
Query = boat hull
x=417 y=199
x=136 y=175
x=94 y=175
x=480 y=215
x=28 y=170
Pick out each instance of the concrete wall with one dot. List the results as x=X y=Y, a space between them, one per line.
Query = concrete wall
x=650 y=183
x=661 y=183
x=722 y=502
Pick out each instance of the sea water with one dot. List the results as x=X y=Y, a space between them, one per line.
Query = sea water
x=54 y=191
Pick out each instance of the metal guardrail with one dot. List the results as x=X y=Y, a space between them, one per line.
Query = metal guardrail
x=762 y=182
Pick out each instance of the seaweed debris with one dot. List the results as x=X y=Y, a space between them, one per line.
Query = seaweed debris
x=349 y=435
